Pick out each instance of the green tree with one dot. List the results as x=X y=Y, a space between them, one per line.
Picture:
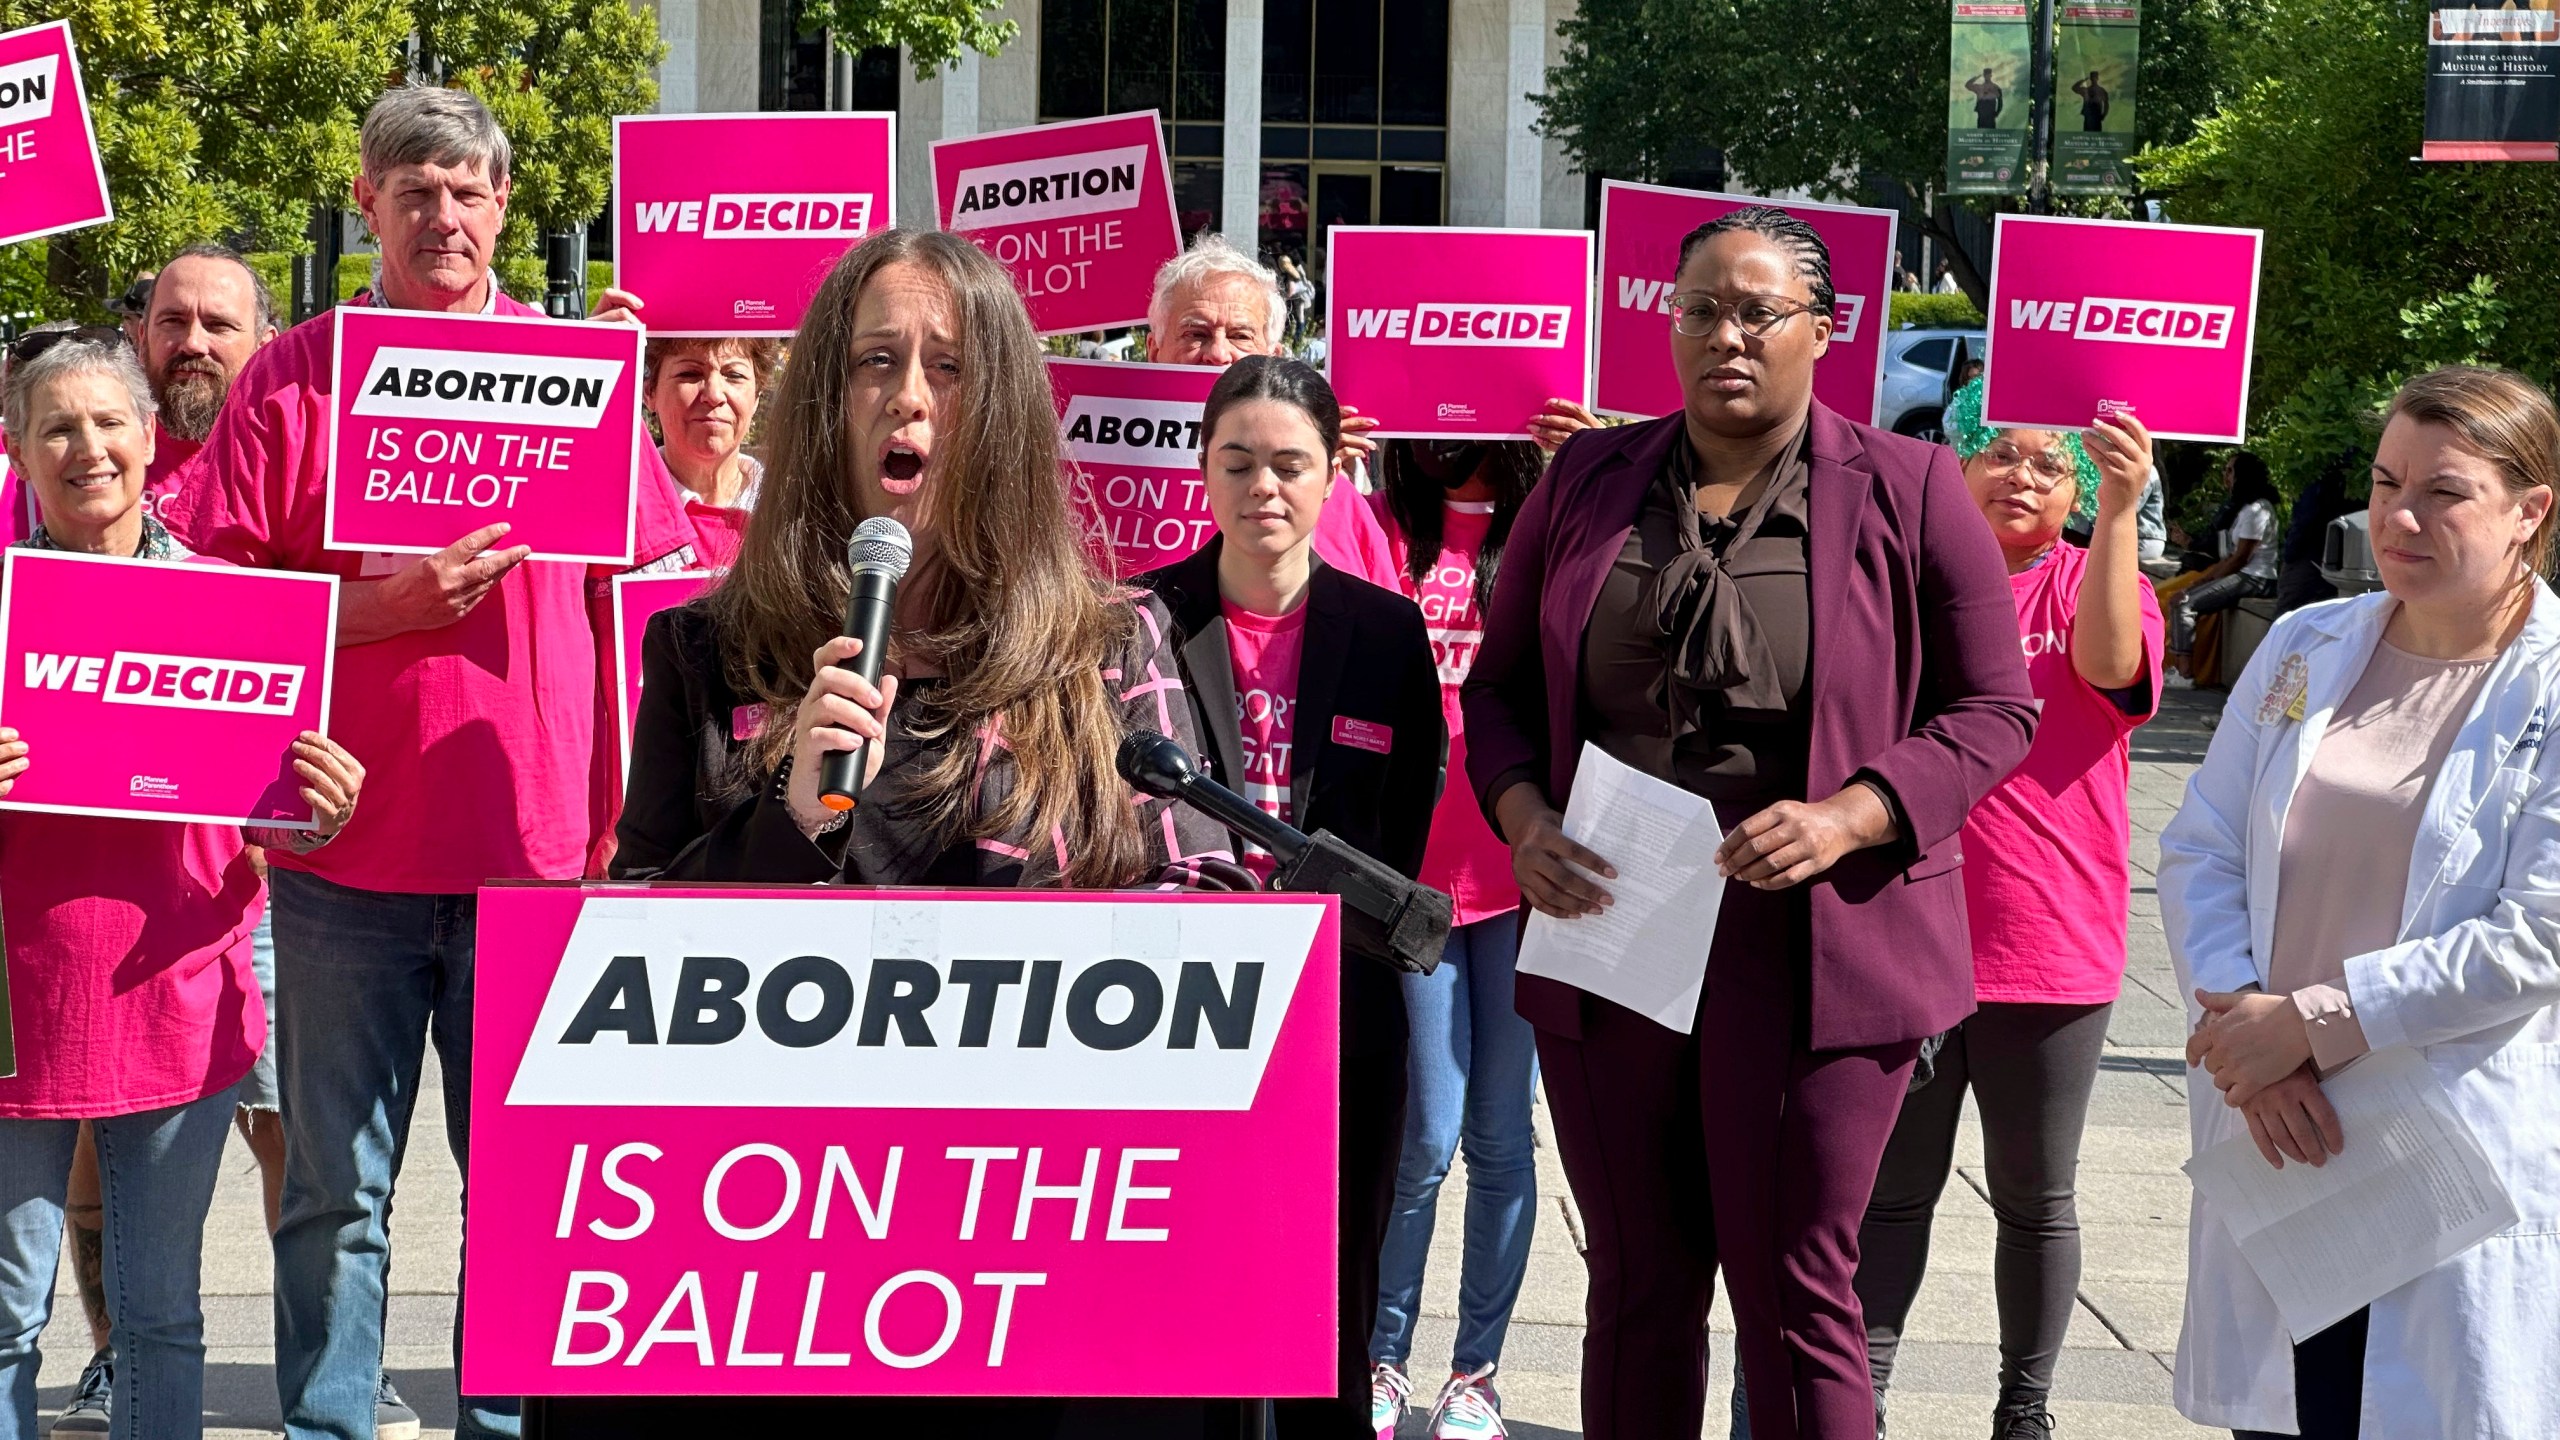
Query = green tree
x=1815 y=95
x=218 y=120
x=554 y=73
x=934 y=32
x=2376 y=265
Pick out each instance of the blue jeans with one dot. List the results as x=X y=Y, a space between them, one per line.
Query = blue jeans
x=1469 y=1070
x=363 y=978
x=158 y=1169
x=258 y=1091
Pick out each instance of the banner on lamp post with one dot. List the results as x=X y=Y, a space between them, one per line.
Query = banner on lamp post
x=2097 y=49
x=1990 y=72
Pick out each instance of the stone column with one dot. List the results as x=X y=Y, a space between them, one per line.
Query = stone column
x=1524 y=156
x=1241 y=169
x=679 y=82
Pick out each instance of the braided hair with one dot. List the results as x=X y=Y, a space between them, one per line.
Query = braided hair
x=1799 y=240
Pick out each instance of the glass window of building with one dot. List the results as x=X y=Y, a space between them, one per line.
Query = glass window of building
x=1355 y=118
x=1110 y=57
x=801 y=70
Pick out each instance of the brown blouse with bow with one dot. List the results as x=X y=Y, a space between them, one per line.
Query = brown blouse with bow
x=1696 y=660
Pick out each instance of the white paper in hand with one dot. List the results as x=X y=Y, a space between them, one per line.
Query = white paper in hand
x=1648 y=951
x=2411 y=1190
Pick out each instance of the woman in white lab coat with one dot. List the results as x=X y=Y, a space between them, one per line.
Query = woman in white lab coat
x=2369 y=857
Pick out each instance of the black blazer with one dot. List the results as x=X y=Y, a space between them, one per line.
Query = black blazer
x=1367 y=657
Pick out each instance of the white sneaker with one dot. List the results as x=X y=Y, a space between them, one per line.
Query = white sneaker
x=1468 y=1409
x=1389 y=1391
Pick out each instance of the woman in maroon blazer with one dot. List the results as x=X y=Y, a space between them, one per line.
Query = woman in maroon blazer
x=1801 y=619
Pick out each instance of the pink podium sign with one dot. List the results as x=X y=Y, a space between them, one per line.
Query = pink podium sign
x=1130 y=446
x=1448 y=332
x=1081 y=212
x=725 y=224
x=159 y=691
x=2092 y=315
x=1640 y=231
x=819 y=1141
x=636 y=598
x=51 y=178
x=447 y=423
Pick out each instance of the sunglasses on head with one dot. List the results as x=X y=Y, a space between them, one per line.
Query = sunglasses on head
x=29 y=347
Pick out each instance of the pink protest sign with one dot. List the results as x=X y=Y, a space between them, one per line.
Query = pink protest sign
x=1081 y=212
x=1458 y=333
x=1640 y=231
x=635 y=599
x=447 y=423
x=1130 y=445
x=2088 y=314
x=815 y=1141
x=51 y=178
x=163 y=691
x=725 y=224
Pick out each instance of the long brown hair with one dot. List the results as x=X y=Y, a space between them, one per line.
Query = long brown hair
x=2507 y=419
x=1016 y=617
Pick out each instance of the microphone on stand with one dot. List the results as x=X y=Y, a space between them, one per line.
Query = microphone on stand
x=1385 y=916
x=877 y=558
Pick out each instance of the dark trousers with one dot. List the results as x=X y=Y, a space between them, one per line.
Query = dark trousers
x=1736 y=1145
x=2328 y=1384
x=2031 y=1068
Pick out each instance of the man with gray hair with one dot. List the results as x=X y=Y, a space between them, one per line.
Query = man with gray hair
x=468 y=690
x=1213 y=305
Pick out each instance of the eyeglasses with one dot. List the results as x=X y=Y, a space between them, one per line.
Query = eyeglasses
x=2045 y=469
x=1758 y=315
x=29 y=347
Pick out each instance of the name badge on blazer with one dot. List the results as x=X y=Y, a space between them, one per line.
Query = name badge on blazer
x=1366 y=735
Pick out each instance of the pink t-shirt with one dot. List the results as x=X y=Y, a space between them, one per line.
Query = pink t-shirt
x=1463 y=859
x=718 y=530
x=1265 y=651
x=1350 y=539
x=477 y=737
x=168 y=455
x=2046 y=879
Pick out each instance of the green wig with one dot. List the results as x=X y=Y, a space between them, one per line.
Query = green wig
x=1971 y=437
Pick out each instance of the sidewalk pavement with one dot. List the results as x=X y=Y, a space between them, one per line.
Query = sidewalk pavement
x=2113 y=1380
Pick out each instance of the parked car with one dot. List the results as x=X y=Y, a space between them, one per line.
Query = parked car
x=1917 y=366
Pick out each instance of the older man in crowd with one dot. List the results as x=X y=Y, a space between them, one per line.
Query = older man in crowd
x=1213 y=305
x=469 y=684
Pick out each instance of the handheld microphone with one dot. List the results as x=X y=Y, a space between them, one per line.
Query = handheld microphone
x=1385 y=917
x=877 y=558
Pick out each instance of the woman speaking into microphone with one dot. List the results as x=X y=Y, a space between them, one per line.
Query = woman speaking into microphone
x=989 y=739
x=915 y=393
